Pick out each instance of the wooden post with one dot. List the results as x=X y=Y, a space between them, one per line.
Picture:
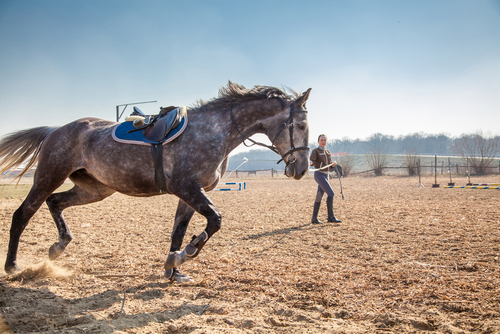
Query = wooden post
x=418 y=171
x=435 y=185
x=449 y=170
x=468 y=172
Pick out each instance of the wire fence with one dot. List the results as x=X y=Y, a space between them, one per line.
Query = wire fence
x=441 y=168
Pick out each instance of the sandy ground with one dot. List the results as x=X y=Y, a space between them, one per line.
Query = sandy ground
x=404 y=259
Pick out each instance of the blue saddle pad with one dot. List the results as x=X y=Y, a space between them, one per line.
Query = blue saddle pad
x=121 y=134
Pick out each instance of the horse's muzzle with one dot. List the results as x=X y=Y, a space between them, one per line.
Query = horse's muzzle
x=292 y=170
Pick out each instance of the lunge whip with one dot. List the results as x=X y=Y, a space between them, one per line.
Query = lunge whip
x=326 y=166
x=339 y=174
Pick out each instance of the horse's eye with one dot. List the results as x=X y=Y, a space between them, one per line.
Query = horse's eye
x=301 y=126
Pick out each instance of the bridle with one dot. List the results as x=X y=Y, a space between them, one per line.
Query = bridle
x=289 y=156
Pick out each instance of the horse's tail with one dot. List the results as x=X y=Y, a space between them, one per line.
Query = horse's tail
x=17 y=147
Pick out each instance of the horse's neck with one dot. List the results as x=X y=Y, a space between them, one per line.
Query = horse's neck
x=251 y=119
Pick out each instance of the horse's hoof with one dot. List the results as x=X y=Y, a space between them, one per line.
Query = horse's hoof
x=11 y=270
x=182 y=278
x=55 y=250
x=175 y=273
x=175 y=259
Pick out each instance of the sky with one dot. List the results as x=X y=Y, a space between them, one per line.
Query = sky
x=387 y=66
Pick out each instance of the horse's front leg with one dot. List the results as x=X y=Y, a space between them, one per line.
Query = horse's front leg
x=183 y=216
x=197 y=199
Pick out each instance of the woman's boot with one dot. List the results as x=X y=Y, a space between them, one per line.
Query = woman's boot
x=331 y=216
x=314 y=219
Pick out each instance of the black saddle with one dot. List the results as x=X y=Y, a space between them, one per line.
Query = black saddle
x=156 y=127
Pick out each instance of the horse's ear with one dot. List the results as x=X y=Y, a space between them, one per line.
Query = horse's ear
x=301 y=101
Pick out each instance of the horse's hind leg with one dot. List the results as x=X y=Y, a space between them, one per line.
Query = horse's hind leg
x=86 y=190
x=20 y=219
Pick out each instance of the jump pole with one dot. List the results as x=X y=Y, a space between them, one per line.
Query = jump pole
x=486 y=184
x=473 y=187
x=241 y=186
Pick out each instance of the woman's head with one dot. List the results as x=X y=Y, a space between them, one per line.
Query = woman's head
x=322 y=139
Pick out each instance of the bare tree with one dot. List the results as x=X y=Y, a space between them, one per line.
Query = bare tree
x=377 y=159
x=478 y=149
x=347 y=164
x=411 y=161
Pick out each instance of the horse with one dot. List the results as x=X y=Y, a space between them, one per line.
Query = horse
x=193 y=164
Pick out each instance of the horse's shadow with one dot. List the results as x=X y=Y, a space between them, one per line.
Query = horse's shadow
x=284 y=232
x=34 y=310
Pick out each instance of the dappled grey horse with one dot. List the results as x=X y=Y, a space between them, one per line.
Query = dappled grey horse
x=85 y=152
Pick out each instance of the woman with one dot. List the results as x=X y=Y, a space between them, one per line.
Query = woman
x=321 y=159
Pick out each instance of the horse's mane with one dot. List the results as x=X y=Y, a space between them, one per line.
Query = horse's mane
x=236 y=93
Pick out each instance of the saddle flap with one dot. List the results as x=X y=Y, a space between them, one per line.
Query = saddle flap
x=127 y=133
x=162 y=125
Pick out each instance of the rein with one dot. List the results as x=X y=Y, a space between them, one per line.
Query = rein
x=289 y=123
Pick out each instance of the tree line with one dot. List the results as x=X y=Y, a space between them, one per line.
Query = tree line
x=478 y=148
x=425 y=144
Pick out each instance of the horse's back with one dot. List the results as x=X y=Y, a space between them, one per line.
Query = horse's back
x=81 y=130
x=88 y=124
x=71 y=139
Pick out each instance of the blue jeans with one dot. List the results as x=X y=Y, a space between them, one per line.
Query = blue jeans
x=323 y=185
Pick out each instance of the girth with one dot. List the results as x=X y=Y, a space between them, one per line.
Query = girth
x=155 y=130
x=160 y=180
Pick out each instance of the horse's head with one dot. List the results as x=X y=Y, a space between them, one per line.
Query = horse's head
x=292 y=137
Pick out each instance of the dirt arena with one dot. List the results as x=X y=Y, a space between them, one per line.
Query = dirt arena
x=404 y=259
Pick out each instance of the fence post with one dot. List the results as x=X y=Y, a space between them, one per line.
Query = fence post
x=418 y=170
x=449 y=170
x=468 y=172
x=435 y=185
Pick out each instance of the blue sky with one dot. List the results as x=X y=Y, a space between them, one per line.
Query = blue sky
x=388 y=66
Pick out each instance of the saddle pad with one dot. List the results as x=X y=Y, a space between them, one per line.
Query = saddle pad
x=121 y=135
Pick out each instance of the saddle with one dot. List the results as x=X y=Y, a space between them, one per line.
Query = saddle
x=154 y=130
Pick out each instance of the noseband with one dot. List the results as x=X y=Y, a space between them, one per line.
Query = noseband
x=289 y=156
